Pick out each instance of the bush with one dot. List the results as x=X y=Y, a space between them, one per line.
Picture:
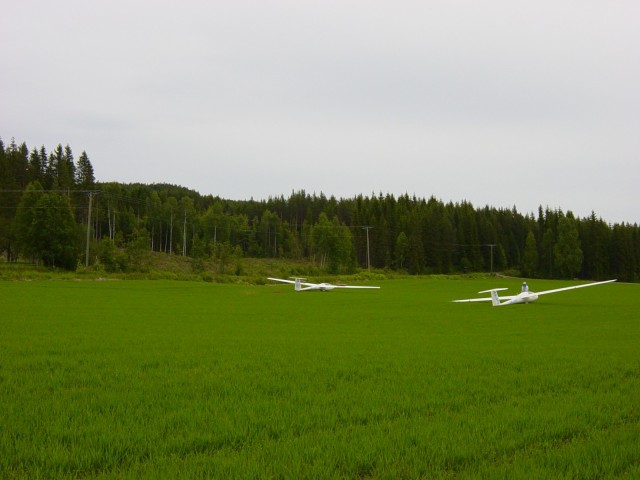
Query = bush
x=108 y=257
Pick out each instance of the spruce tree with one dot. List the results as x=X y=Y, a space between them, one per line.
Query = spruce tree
x=36 y=167
x=45 y=228
x=401 y=250
x=84 y=173
x=24 y=226
x=530 y=259
x=567 y=252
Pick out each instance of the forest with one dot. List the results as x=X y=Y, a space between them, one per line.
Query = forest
x=54 y=213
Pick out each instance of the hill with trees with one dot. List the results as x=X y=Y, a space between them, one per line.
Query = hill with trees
x=56 y=214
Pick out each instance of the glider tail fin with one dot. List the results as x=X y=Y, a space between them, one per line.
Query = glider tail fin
x=298 y=287
x=495 y=300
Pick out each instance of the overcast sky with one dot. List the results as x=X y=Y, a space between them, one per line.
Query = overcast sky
x=500 y=102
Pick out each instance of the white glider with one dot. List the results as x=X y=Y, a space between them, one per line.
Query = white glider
x=301 y=286
x=525 y=296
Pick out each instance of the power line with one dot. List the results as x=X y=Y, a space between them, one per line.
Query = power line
x=43 y=190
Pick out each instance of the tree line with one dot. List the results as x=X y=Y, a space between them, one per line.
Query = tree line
x=56 y=213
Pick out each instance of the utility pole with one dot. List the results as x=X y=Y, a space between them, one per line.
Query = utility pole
x=171 y=233
x=491 y=245
x=367 y=228
x=86 y=259
x=184 y=235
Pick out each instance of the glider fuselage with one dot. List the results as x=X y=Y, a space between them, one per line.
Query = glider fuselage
x=523 y=297
x=323 y=287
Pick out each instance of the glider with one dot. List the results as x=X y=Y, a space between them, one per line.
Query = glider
x=525 y=296
x=301 y=286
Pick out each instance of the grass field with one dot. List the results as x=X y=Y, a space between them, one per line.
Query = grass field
x=158 y=379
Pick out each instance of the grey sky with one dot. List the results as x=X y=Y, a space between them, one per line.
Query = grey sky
x=500 y=103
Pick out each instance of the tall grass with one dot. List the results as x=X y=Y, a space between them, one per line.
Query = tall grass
x=181 y=380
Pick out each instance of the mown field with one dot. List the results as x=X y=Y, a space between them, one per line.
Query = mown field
x=159 y=379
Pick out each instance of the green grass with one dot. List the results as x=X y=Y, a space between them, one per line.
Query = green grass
x=144 y=379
